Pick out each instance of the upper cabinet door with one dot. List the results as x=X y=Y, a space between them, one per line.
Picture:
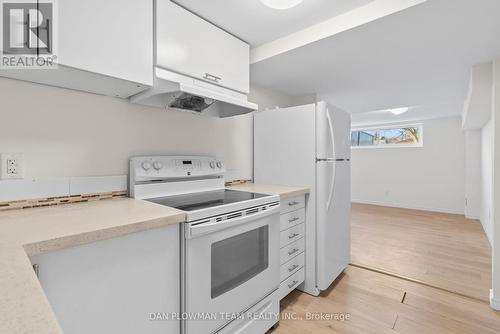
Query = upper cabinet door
x=112 y=37
x=189 y=45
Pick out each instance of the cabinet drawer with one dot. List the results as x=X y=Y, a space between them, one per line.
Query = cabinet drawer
x=263 y=316
x=291 y=283
x=291 y=267
x=291 y=251
x=291 y=219
x=293 y=203
x=291 y=235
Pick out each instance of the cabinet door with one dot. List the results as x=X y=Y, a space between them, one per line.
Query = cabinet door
x=112 y=37
x=115 y=286
x=189 y=45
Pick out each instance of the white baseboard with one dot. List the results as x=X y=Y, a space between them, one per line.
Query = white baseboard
x=400 y=206
x=494 y=303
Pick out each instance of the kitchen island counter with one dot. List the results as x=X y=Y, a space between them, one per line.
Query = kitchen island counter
x=24 y=308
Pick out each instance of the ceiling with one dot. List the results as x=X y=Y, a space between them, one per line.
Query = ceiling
x=255 y=23
x=419 y=57
x=418 y=113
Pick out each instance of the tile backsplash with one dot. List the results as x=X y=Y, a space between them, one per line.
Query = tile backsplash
x=51 y=201
x=53 y=191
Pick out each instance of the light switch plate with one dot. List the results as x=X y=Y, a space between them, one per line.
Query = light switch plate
x=11 y=166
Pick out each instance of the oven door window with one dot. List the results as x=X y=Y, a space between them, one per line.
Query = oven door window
x=237 y=259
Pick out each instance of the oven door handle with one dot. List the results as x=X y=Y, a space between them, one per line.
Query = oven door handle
x=207 y=228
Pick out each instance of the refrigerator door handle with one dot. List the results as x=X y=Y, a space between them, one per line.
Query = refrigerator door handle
x=332 y=135
x=332 y=187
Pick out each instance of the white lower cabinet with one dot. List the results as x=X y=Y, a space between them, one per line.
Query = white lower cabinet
x=291 y=283
x=292 y=244
x=125 y=285
x=291 y=267
x=292 y=250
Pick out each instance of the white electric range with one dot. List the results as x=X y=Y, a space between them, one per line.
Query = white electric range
x=229 y=243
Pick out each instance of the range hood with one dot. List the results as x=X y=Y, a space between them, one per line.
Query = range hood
x=179 y=92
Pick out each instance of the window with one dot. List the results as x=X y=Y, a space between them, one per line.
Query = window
x=393 y=136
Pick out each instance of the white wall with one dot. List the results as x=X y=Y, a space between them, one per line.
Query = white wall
x=68 y=133
x=487 y=180
x=473 y=173
x=495 y=123
x=429 y=178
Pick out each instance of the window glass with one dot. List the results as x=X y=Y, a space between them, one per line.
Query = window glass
x=387 y=136
x=398 y=136
x=238 y=259
x=364 y=138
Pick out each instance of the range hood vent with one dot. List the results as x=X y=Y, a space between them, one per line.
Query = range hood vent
x=179 y=92
x=186 y=101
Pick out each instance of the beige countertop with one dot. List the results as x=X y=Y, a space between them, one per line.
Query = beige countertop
x=23 y=305
x=283 y=191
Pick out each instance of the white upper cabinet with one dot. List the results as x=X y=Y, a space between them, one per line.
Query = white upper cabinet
x=189 y=45
x=112 y=37
x=103 y=47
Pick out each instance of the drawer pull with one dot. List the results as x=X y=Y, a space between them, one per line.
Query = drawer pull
x=293 y=203
x=293 y=251
x=292 y=284
x=293 y=235
x=212 y=77
x=292 y=268
x=293 y=220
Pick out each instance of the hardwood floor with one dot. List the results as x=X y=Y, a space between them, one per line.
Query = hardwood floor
x=442 y=250
x=376 y=304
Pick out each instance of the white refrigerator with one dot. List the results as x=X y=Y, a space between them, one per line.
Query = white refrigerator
x=310 y=146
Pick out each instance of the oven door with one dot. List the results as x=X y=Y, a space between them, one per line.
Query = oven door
x=230 y=266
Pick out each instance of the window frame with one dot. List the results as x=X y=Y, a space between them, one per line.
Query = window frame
x=420 y=143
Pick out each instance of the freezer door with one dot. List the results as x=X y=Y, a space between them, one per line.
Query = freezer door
x=284 y=146
x=333 y=210
x=285 y=153
x=333 y=132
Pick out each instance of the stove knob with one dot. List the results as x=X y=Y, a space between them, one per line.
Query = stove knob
x=146 y=165
x=157 y=165
x=219 y=164
x=212 y=164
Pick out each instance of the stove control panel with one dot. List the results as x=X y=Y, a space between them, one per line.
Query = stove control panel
x=170 y=167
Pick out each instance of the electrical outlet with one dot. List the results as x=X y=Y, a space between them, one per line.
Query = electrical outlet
x=11 y=166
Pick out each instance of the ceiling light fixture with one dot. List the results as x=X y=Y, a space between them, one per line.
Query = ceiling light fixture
x=281 y=4
x=398 y=111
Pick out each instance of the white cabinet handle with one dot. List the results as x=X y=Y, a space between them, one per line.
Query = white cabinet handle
x=293 y=220
x=293 y=251
x=293 y=203
x=212 y=77
x=292 y=268
x=292 y=284
x=293 y=236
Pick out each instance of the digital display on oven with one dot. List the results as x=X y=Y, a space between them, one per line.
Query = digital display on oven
x=187 y=162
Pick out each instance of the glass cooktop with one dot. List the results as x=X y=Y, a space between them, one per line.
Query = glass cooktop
x=203 y=200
